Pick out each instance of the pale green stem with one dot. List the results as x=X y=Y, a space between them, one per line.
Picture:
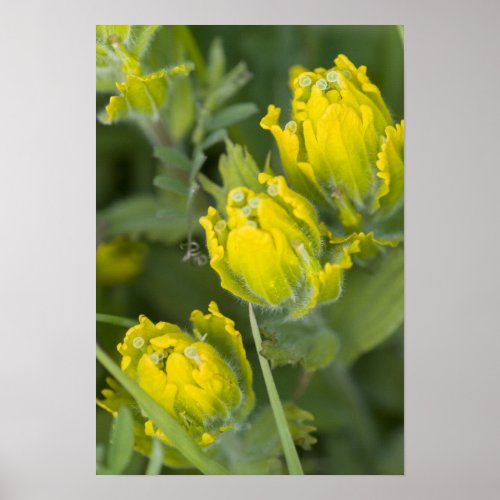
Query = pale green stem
x=291 y=456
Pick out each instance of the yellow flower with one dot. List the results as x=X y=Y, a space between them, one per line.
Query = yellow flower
x=271 y=250
x=204 y=381
x=119 y=261
x=329 y=149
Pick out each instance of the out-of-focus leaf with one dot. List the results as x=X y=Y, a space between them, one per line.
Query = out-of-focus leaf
x=137 y=217
x=156 y=459
x=229 y=85
x=256 y=448
x=173 y=158
x=121 y=445
x=180 y=111
x=390 y=458
x=372 y=307
x=141 y=38
x=171 y=184
x=216 y=63
x=214 y=138
x=231 y=115
x=307 y=342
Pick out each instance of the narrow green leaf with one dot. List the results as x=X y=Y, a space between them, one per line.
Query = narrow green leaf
x=141 y=38
x=184 y=34
x=136 y=217
x=291 y=456
x=163 y=420
x=121 y=444
x=231 y=115
x=115 y=320
x=171 y=184
x=216 y=63
x=173 y=158
x=170 y=213
x=378 y=301
x=229 y=85
x=156 y=458
x=215 y=137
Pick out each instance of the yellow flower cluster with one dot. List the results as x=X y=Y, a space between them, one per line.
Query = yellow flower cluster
x=341 y=147
x=204 y=380
x=343 y=155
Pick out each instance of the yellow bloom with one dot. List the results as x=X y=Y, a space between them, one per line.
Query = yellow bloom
x=329 y=149
x=204 y=381
x=119 y=261
x=270 y=250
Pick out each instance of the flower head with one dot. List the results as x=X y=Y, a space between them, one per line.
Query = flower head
x=330 y=147
x=204 y=381
x=271 y=250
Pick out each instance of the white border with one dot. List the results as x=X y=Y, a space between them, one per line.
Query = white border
x=47 y=200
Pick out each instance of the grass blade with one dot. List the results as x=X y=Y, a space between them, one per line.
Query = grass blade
x=291 y=456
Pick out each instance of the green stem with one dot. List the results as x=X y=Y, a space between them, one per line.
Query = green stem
x=115 y=320
x=291 y=456
x=162 y=419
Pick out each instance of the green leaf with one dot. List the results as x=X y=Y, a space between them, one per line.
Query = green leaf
x=115 y=320
x=156 y=459
x=231 y=115
x=372 y=307
x=105 y=31
x=214 y=138
x=173 y=158
x=231 y=83
x=308 y=342
x=141 y=38
x=171 y=184
x=181 y=108
x=162 y=419
x=256 y=448
x=141 y=95
x=121 y=445
x=216 y=63
x=137 y=216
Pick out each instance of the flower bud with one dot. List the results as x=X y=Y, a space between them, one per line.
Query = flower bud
x=204 y=381
x=329 y=150
x=271 y=250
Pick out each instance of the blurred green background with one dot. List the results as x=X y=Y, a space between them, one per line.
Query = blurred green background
x=358 y=408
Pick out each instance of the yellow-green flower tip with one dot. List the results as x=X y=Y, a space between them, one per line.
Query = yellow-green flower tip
x=204 y=380
x=269 y=251
x=119 y=261
x=340 y=126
